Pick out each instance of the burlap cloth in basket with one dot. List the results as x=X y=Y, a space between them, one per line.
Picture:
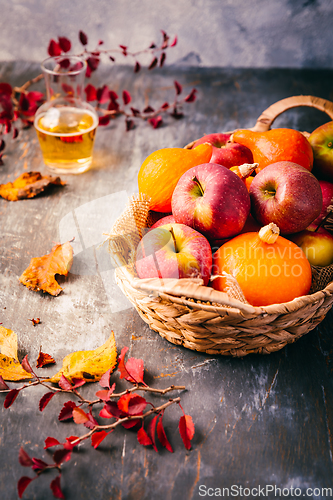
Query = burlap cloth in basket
x=187 y=313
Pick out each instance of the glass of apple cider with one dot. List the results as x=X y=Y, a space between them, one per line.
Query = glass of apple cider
x=66 y=124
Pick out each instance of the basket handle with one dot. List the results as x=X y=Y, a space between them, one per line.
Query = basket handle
x=266 y=119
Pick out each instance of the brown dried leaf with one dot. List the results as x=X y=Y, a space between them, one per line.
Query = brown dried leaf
x=28 y=185
x=44 y=359
x=89 y=365
x=40 y=275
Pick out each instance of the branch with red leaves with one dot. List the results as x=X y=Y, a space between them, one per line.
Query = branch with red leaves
x=126 y=409
x=19 y=104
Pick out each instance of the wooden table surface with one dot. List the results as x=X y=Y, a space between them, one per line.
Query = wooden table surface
x=260 y=420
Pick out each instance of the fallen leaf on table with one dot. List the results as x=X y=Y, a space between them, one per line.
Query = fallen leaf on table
x=28 y=185
x=44 y=359
x=8 y=342
x=10 y=369
x=89 y=365
x=35 y=321
x=40 y=275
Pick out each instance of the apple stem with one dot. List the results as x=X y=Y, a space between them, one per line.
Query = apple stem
x=174 y=238
x=322 y=222
x=196 y=180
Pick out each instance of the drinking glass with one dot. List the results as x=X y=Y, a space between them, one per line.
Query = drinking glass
x=66 y=124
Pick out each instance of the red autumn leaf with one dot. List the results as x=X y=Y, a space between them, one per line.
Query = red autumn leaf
x=54 y=49
x=153 y=63
x=79 y=416
x=151 y=431
x=91 y=93
x=50 y=441
x=178 y=87
x=34 y=96
x=103 y=94
x=124 y=49
x=104 y=120
x=3 y=385
x=186 y=429
x=15 y=133
x=24 y=458
x=98 y=437
x=133 y=370
x=10 y=398
x=165 y=105
x=137 y=67
x=62 y=455
x=148 y=109
x=64 y=383
x=2 y=145
x=64 y=43
x=26 y=365
x=23 y=483
x=174 y=42
x=165 y=39
x=143 y=437
x=66 y=411
x=69 y=440
x=135 y=112
x=105 y=379
x=5 y=89
x=105 y=414
x=162 y=436
x=113 y=410
x=162 y=59
x=78 y=382
x=100 y=42
x=192 y=96
x=132 y=404
x=113 y=95
x=44 y=401
x=93 y=63
x=155 y=122
x=64 y=63
x=131 y=423
x=91 y=422
x=106 y=393
x=44 y=359
x=38 y=464
x=129 y=125
x=83 y=38
x=126 y=97
x=55 y=488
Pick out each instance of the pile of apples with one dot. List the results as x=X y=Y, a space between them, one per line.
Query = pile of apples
x=211 y=204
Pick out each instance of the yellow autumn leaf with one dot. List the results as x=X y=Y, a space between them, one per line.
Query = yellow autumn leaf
x=8 y=342
x=11 y=370
x=89 y=365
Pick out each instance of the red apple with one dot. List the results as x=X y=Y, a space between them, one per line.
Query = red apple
x=174 y=251
x=317 y=245
x=211 y=199
x=168 y=219
x=321 y=141
x=327 y=192
x=288 y=195
x=226 y=153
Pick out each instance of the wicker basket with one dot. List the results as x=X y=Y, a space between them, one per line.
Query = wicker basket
x=200 y=318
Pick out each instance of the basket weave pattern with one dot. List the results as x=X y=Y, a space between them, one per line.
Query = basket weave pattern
x=200 y=318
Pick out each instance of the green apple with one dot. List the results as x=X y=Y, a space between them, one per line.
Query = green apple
x=317 y=245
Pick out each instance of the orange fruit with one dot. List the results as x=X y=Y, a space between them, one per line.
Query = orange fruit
x=268 y=268
x=280 y=144
x=161 y=171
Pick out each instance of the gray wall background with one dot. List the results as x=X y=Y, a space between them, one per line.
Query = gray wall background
x=234 y=33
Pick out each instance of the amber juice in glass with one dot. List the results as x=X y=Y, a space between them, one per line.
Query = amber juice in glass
x=65 y=124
